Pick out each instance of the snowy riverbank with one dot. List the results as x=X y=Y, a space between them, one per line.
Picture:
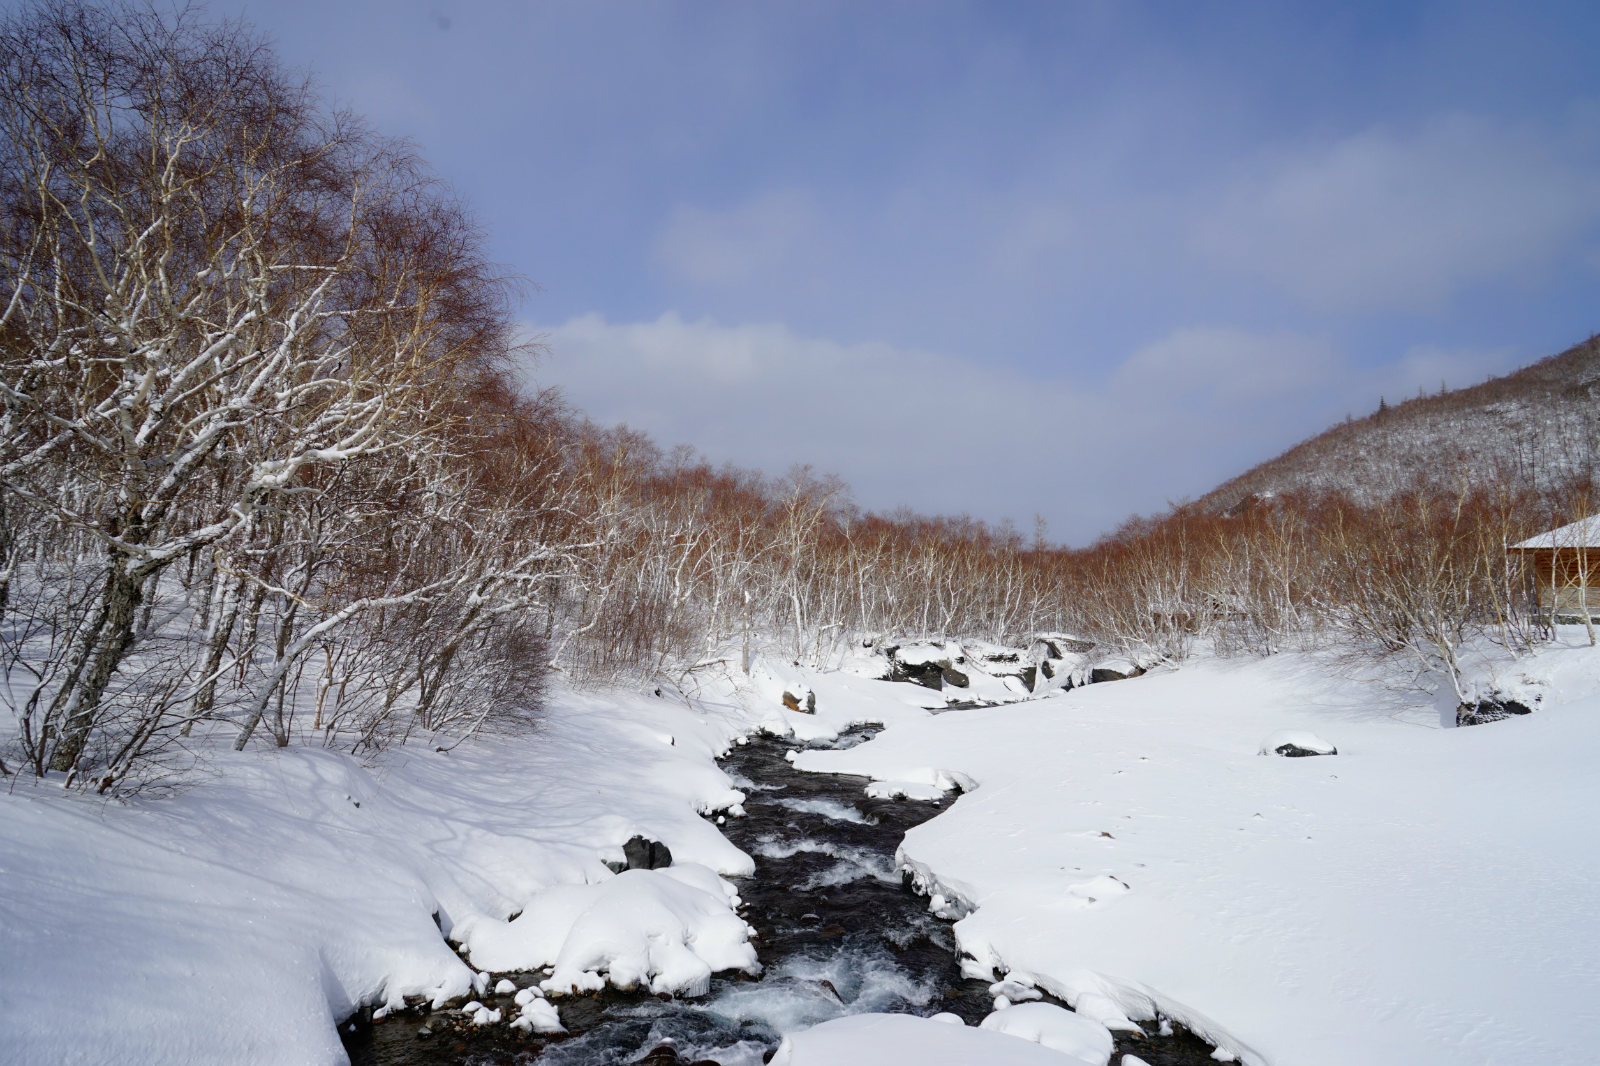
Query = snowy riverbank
x=236 y=921
x=1425 y=896
x=1428 y=895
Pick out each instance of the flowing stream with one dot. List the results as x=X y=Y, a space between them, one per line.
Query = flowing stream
x=838 y=933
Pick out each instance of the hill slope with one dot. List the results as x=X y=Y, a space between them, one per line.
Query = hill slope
x=1537 y=427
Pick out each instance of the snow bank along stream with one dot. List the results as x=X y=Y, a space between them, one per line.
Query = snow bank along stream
x=840 y=932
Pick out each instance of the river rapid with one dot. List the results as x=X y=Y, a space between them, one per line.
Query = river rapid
x=838 y=932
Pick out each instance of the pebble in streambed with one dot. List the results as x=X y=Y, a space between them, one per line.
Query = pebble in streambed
x=838 y=933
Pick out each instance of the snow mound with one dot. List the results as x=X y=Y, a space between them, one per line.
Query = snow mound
x=1296 y=742
x=667 y=929
x=540 y=1016
x=1098 y=890
x=877 y=1039
x=1054 y=1027
x=1015 y=991
x=922 y=654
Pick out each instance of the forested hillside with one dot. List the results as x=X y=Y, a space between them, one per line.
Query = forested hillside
x=1536 y=428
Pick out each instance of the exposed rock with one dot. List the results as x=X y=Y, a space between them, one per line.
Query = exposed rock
x=646 y=854
x=1489 y=711
x=1101 y=674
x=793 y=702
x=929 y=674
x=951 y=676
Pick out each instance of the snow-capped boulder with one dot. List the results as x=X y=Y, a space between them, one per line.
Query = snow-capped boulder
x=1056 y=1028
x=540 y=1016
x=1296 y=743
x=875 y=1039
x=1015 y=991
x=668 y=930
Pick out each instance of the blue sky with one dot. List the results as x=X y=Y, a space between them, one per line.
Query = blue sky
x=1074 y=259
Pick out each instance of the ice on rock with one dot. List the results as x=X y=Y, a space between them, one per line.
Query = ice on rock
x=1055 y=1028
x=1295 y=743
x=505 y=988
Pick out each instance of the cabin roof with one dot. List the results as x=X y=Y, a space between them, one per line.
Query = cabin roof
x=1584 y=533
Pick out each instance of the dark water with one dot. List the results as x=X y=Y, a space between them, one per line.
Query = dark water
x=838 y=933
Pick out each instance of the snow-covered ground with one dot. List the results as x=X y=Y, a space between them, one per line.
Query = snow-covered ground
x=238 y=920
x=1426 y=895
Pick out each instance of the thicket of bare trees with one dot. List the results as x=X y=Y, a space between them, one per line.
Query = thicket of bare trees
x=241 y=337
x=264 y=478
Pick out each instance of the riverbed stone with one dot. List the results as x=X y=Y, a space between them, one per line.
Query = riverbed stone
x=645 y=854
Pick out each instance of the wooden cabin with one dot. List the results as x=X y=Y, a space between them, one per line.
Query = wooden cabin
x=1566 y=570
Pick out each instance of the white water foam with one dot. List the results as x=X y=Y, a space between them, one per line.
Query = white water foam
x=828 y=808
x=854 y=863
x=804 y=991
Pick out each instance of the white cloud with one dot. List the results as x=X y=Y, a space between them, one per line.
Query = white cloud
x=1382 y=220
x=733 y=246
x=946 y=435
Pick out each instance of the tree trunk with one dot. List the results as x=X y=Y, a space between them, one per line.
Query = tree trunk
x=122 y=598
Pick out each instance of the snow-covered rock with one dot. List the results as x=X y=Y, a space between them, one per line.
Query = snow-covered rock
x=1014 y=991
x=916 y=790
x=885 y=1039
x=668 y=930
x=1296 y=743
x=503 y=987
x=1056 y=1028
x=541 y=1016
